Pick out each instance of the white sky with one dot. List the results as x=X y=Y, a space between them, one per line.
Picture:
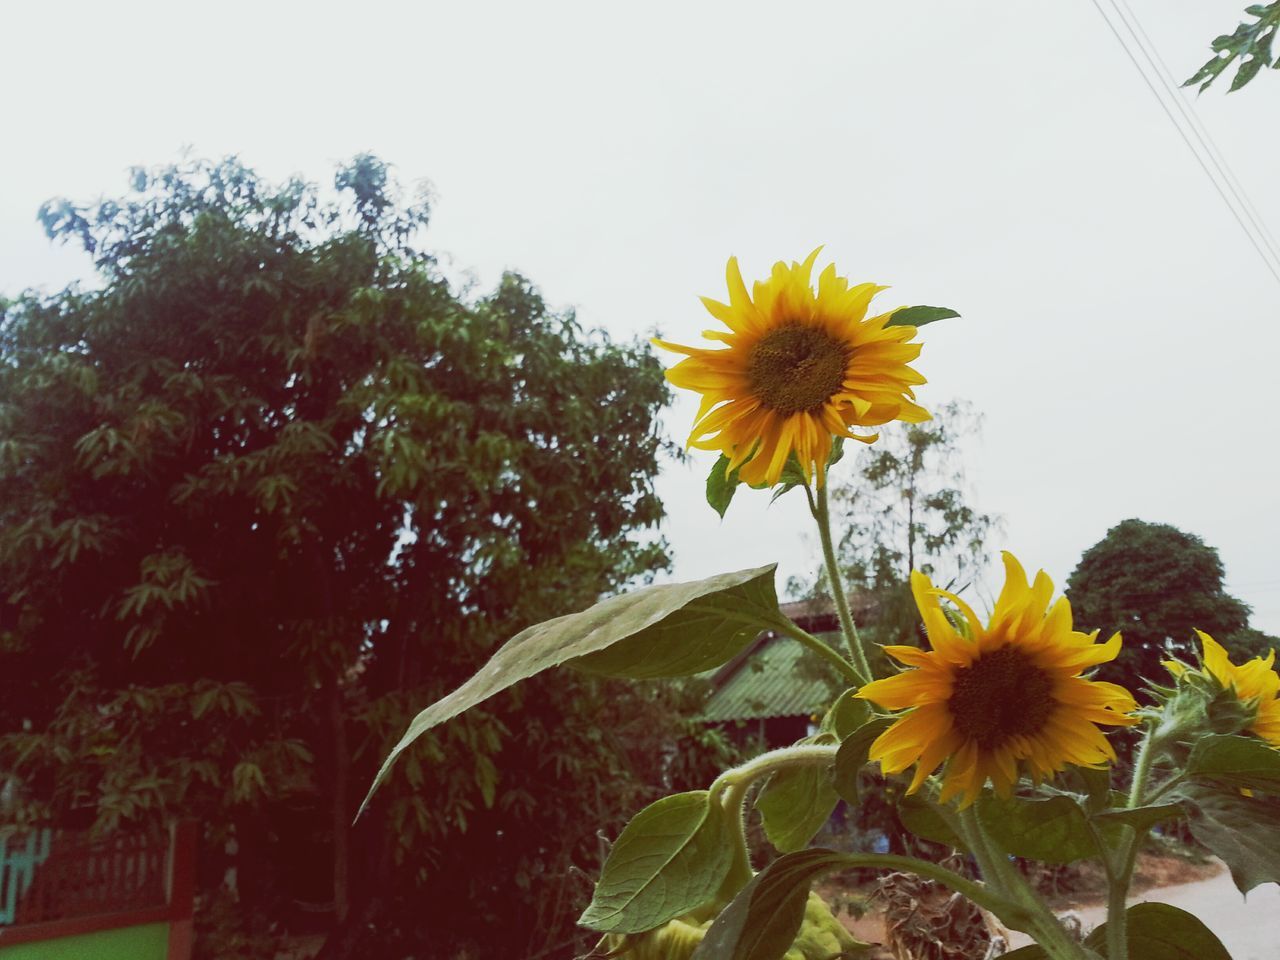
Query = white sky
x=1002 y=158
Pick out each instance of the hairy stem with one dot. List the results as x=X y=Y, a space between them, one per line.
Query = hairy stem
x=1118 y=894
x=821 y=511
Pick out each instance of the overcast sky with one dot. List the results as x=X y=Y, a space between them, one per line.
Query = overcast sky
x=1001 y=158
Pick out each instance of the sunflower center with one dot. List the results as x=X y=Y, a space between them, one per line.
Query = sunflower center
x=796 y=368
x=1001 y=695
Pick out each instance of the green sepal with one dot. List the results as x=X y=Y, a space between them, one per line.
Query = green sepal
x=670 y=859
x=919 y=316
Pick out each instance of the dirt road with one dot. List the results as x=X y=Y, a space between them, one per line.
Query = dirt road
x=1249 y=929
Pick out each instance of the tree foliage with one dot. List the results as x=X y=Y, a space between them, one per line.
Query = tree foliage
x=270 y=486
x=1250 y=44
x=1157 y=585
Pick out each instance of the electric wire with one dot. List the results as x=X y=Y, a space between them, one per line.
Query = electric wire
x=1187 y=140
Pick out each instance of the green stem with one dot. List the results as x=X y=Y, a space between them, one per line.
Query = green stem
x=731 y=787
x=822 y=514
x=1033 y=915
x=1118 y=895
x=847 y=669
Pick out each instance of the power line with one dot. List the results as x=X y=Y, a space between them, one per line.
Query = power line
x=1185 y=139
x=1152 y=53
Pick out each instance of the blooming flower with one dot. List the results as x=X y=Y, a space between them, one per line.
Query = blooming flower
x=998 y=699
x=798 y=368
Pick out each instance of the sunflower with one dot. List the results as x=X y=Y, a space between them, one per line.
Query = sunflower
x=995 y=700
x=1255 y=684
x=798 y=368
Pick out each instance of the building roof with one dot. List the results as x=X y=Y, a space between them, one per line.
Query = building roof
x=767 y=680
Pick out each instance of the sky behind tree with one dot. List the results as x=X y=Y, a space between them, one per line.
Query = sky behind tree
x=1118 y=330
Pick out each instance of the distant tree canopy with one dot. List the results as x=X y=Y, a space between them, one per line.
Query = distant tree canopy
x=272 y=487
x=1157 y=585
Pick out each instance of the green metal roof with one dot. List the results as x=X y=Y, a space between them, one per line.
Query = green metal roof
x=777 y=678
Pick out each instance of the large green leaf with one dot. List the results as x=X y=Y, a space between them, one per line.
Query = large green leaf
x=762 y=921
x=1237 y=761
x=927 y=820
x=1244 y=832
x=797 y=801
x=852 y=757
x=919 y=316
x=1051 y=829
x=1143 y=818
x=671 y=858
x=671 y=630
x=1158 y=931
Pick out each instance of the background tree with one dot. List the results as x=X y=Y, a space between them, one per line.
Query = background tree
x=1250 y=43
x=1157 y=585
x=269 y=488
x=903 y=507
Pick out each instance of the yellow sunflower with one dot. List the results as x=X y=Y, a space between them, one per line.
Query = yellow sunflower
x=1255 y=684
x=798 y=368
x=994 y=701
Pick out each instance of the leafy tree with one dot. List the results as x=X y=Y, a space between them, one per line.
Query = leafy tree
x=1157 y=585
x=270 y=487
x=904 y=508
x=1250 y=43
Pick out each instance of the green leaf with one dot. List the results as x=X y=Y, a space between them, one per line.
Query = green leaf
x=852 y=757
x=1244 y=832
x=1248 y=70
x=1051 y=829
x=762 y=921
x=1158 y=931
x=671 y=858
x=846 y=715
x=919 y=316
x=794 y=803
x=1032 y=951
x=1237 y=761
x=671 y=630
x=925 y=819
x=1143 y=818
x=722 y=483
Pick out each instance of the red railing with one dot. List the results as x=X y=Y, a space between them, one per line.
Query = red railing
x=85 y=886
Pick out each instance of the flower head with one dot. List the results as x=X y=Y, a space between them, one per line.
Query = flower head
x=998 y=699
x=1255 y=684
x=798 y=368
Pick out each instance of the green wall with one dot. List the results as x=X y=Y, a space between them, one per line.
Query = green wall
x=147 y=942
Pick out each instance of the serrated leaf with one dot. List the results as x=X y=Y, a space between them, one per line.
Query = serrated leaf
x=671 y=858
x=925 y=819
x=670 y=630
x=846 y=715
x=795 y=803
x=852 y=757
x=919 y=316
x=1051 y=829
x=1243 y=832
x=1143 y=818
x=722 y=483
x=1158 y=931
x=762 y=921
x=1239 y=761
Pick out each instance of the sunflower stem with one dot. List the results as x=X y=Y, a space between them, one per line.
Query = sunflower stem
x=1004 y=877
x=821 y=511
x=1118 y=895
x=832 y=656
x=730 y=789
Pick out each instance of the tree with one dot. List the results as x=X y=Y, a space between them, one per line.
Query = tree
x=1250 y=43
x=905 y=509
x=271 y=487
x=1157 y=585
